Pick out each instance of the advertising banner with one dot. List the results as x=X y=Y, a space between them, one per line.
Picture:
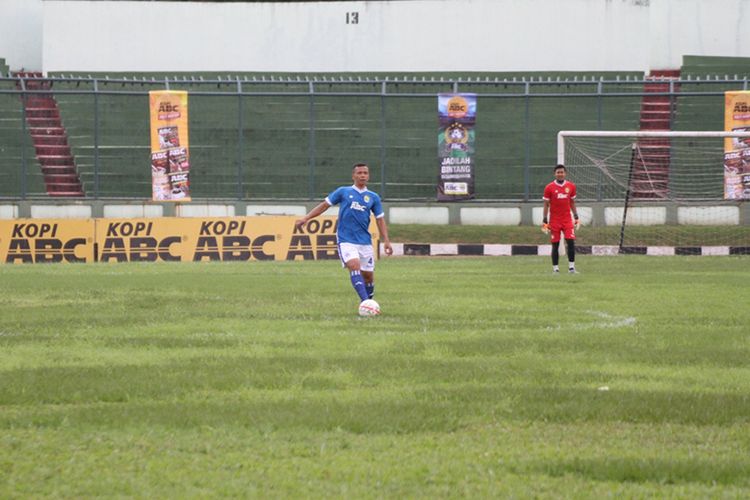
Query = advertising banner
x=165 y=239
x=216 y=239
x=737 y=149
x=170 y=153
x=29 y=241
x=456 y=117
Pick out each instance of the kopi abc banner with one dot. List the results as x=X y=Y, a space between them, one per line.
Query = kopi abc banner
x=456 y=116
x=737 y=149
x=36 y=241
x=170 y=239
x=170 y=153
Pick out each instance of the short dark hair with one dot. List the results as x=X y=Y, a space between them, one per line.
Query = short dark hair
x=558 y=166
x=356 y=165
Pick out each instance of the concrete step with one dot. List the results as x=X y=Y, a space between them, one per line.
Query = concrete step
x=647 y=150
x=59 y=179
x=59 y=169
x=42 y=131
x=655 y=125
x=656 y=115
x=42 y=112
x=55 y=159
x=654 y=99
x=649 y=171
x=64 y=192
x=40 y=101
x=50 y=140
x=38 y=85
x=43 y=122
x=649 y=178
x=653 y=168
x=651 y=105
x=655 y=143
x=66 y=184
x=651 y=154
x=52 y=150
x=656 y=87
x=649 y=185
x=653 y=163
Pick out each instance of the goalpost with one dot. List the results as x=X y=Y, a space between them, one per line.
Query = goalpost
x=676 y=190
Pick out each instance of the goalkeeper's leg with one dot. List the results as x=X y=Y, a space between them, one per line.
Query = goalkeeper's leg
x=571 y=246
x=555 y=256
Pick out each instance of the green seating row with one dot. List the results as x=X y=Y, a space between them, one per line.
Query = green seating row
x=280 y=156
x=698 y=112
x=19 y=170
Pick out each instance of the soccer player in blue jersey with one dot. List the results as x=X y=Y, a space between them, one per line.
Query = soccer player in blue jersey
x=353 y=233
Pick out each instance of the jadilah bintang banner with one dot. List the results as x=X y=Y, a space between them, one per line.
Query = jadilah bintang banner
x=170 y=155
x=457 y=115
x=737 y=149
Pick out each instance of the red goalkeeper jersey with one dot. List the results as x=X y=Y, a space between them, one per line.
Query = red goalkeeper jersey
x=559 y=197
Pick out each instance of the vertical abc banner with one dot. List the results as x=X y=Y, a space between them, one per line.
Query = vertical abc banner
x=456 y=116
x=737 y=149
x=170 y=154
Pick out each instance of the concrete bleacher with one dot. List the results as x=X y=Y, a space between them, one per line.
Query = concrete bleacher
x=276 y=140
x=696 y=112
x=16 y=147
x=704 y=74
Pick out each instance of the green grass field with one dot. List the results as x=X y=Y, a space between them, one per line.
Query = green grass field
x=484 y=377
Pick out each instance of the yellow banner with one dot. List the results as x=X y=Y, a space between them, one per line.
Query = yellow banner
x=737 y=149
x=28 y=241
x=216 y=239
x=170 y=153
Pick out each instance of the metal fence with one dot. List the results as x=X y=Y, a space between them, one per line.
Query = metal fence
x=281 y=137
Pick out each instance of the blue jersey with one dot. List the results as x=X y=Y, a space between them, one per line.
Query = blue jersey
x=354 y=213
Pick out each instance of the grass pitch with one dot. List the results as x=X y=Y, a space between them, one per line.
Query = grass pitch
x=484 y=377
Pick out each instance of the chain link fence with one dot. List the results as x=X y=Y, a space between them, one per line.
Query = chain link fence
x=276 y=137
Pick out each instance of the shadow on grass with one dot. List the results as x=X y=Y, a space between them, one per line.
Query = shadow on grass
x=616 y=349
x=660 y=471
x=359 y=394
x=164 y=342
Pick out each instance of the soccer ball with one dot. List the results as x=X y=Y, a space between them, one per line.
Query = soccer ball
x=369 y=308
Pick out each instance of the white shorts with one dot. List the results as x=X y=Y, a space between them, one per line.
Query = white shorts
x=349 y=251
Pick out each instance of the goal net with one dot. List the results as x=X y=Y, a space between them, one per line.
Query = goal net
x=678 y=191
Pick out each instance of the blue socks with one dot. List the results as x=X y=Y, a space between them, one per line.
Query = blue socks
x=358 y=282
x=370 y=287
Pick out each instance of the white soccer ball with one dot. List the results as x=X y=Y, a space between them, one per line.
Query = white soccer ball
x=369 y=308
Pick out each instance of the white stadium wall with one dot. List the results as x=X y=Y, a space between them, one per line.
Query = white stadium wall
x=697 y=27
x=416 y=35
x=430 y=35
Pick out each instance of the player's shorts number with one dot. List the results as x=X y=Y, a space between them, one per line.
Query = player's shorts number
x=349 y=251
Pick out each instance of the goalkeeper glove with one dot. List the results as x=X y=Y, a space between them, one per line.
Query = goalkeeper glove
x=545 y=226
x=577 y=222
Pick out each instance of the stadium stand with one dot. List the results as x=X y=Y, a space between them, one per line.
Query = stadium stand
x=650 y=177
x=707 y=74
x=19 y=173
x=49 y=138
x=281 y=158
x=701 y=74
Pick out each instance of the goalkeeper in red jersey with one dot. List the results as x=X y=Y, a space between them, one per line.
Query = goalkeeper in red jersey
x=559 y=202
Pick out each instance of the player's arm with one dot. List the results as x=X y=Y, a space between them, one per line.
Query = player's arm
x=319 y=209
x=575 y=213
x=545 y=213
x=380 y=221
